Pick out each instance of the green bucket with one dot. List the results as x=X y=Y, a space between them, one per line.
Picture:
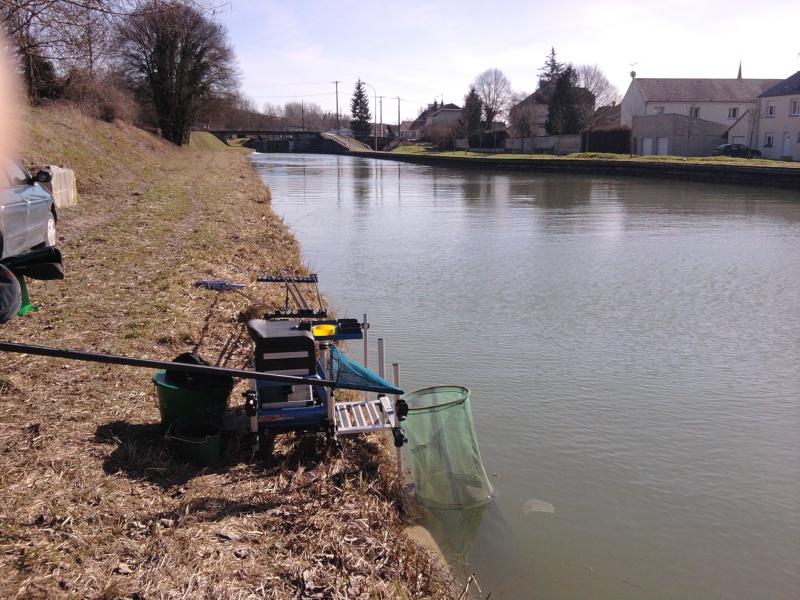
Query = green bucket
x=176 y=402
x=196 y=440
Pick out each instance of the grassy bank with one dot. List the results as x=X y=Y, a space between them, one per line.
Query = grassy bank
x=698 y=160
x=94 y=503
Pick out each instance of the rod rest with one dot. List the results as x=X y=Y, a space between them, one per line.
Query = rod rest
x=285 y=278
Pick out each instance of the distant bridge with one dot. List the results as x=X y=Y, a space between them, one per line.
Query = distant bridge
x=270 y=140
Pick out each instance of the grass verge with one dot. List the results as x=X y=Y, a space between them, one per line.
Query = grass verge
x=701 y=160
x=95 y=503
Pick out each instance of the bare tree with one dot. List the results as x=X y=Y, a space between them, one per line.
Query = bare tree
x=494 y=90
x=52 y=37
x=175 y=57
x=592 y=78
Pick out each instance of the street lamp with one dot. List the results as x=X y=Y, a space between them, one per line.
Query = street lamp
x=375 y=115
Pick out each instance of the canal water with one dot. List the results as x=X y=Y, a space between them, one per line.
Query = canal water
x=633 y=352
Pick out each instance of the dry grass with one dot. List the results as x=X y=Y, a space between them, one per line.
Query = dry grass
x=94 y=503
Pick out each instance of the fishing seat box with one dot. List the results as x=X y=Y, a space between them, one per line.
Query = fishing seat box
x=280 y=347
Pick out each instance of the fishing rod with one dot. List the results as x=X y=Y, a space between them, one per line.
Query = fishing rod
x=160 y=364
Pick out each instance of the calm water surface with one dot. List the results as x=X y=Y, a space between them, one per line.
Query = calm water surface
x=633 y=351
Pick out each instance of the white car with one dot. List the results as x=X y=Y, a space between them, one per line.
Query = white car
x=27 y=210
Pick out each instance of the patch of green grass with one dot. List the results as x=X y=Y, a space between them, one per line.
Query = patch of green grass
x=702 y=160
x=410 y=149
x=203 y=140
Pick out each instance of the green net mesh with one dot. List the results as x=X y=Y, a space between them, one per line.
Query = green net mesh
x=443 y=449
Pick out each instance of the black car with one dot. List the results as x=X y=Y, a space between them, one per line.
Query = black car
x=739 y=150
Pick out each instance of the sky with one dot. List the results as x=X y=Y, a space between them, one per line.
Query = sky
x=421 y=51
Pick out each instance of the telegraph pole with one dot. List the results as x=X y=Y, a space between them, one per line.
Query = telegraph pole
x=398 y=118
x=336 y=83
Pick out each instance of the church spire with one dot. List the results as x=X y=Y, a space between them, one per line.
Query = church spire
x=739 y=76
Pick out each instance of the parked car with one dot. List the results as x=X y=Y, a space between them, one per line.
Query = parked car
x=739 y=150
x=27 y=210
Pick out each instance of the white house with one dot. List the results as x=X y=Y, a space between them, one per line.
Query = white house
x=446 y=116
x=436 y=116
x=779 y=120
x=731 y=103
x=406 y=131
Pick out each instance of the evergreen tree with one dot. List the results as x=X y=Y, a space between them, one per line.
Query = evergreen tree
x=562 y=113
x=470 y=120
x=359 y=110
x=551 y=69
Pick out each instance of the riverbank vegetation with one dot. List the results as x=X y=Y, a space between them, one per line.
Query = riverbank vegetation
x=702 y=160
x=95 y=503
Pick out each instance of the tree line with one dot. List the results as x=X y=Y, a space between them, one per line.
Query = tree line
x=167 y=65
x=565 y=101
x=157 y=63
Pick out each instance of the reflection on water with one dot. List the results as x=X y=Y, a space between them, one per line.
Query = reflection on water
x=633 y=352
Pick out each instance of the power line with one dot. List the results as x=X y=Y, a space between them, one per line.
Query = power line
x=293 y=96
x=288 y=84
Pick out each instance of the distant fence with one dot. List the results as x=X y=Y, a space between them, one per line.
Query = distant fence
x=546 y=144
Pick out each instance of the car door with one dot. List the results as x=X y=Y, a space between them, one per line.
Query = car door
x=37 y=201
x=13 y=212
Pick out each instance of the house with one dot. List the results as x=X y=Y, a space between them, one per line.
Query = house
x=607 y=117
x=650 y=106
x=779 y=120
x=528 y=117
x=415 y=129
x=435 y=117
x=446 y=115
x=405 y=130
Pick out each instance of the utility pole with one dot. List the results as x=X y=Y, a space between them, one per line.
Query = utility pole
x=338 y=127
x=375 y=114
x=398 y=118
x=382 y=119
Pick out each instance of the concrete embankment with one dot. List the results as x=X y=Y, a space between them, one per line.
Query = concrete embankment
x=739 y=174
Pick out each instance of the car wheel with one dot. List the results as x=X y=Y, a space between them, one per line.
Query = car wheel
x=52 y=238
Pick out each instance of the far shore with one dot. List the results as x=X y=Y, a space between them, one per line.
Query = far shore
x=763 y=173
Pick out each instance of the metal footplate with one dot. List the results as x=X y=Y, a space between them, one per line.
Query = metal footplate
x=365 y=416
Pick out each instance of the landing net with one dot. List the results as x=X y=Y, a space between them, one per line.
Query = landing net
x=350 y=375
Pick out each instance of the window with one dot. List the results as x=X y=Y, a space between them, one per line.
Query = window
x=694 y=111
x=798 y=137
x=733 y=113
x=658 y=110
x=794 y=108
x=16 y=175
x=768 y=139
x=771 y=109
